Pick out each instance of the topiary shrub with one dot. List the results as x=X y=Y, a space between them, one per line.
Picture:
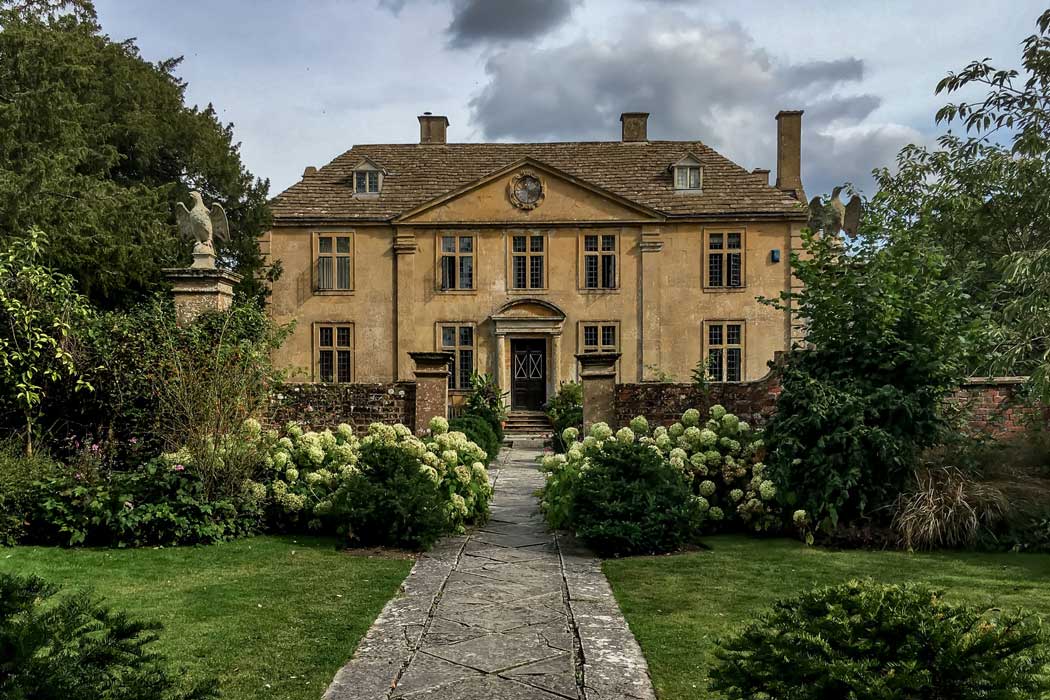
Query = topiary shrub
x=478 y=430
x=75 y=649
x=871 y=641
x=389 y=501
x=630 y=500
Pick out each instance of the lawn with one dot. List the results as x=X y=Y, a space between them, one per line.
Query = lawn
x=678 y=605
x=271 y=617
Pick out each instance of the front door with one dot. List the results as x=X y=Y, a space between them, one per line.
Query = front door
x=528 y=364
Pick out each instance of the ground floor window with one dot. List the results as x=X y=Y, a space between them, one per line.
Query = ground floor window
x=458 y=339
x=724 y=342
x=599 y=336
x=333 y=354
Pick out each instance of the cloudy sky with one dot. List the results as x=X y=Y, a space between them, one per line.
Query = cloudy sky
x=303 y=81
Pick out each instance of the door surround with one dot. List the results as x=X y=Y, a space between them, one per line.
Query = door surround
x=523 y=319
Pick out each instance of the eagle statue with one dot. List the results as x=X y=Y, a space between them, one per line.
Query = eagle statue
x=203 y=226
x=835 y=216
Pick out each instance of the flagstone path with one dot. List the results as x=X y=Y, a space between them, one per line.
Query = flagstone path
x=509 y=612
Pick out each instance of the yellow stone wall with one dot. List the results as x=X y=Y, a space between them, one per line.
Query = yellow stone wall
x=660 y=306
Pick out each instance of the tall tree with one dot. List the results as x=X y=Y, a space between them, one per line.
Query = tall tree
x=96 y=146
x=984 y=197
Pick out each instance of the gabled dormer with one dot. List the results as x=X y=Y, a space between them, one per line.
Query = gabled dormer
x=687 y=174
x=367 y=178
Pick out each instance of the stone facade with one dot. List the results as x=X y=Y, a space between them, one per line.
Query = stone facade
x=197 y=290
x=319 y=406
x=556 y=197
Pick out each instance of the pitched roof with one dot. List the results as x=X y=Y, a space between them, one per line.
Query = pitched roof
x=418 y=173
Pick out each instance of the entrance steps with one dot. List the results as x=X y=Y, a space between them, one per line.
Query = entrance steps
x=527 y=425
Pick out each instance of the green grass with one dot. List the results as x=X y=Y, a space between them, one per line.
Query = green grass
x=271 y=617
x=678 y=605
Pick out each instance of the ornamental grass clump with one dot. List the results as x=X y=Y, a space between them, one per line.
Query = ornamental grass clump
x=870 y=641
x=946 y=508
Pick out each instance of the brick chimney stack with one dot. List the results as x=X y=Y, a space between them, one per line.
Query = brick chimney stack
x=634 y=126
x=432 y=128
x=789 y=153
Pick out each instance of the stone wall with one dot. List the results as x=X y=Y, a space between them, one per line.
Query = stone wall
x=320 y=406
x=995 y=406
x=664 y=403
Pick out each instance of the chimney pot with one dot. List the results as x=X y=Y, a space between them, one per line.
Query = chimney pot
x=310 y=170
x=789 y=153
x=634 y=126
x=432 y=128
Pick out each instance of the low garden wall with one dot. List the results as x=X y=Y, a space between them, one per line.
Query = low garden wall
x=319 y=406
x=993 y=406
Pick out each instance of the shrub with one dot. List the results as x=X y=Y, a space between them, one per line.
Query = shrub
x=889 y=333
x=486 y=401
x=75 y=649
x=391 y=501
x=478 y=430
x=629 y=500
x=946 y=509
x=565 y=411
x=870 y=641
x=17 y=475
x=308 y=468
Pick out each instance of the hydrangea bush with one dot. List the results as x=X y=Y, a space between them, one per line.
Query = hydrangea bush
x=309 y=468
x=719 y=456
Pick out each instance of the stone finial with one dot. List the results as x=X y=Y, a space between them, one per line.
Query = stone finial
x=203 y=226
x=431 y=386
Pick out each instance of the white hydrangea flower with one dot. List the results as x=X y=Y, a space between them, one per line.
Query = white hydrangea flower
x=293 y=430
x=625 y=435
x=716 y=513
x=676 y=430
x=345 y=432
x=462 y=474
x=313 y=478
x=658 y=431
x=735 y=495
x=280 y=459
x=450 y=457
x=326 y=439
x=286 y=444
x=438 y=425
x=800 y=518
x=767 y=490
x=679 y=453
x=601 y=431
x=569 y=435
x=291 y=475
x=590 y=442
x=707 y=437
x=678 y=463
x=459 y=505
x=252 y=427
x=691 y=417
x=707 y=488
x=703 y=504
x=639 y=425
x=731 y=423
x=664 y=442
x=717 y=411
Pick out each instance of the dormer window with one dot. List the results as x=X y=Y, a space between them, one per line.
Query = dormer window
x=688 y=174
x=366 y=181
x=368 y=178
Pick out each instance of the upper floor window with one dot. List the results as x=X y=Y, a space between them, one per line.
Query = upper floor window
x=599 y=261
x=687 y=177
x=366 y=181
x=725 y=350
x=599 y=337
x=459 y=340
x=528 y=261
x=457 y=262
x=725 y=259
x=333 y=353
x=332 y=256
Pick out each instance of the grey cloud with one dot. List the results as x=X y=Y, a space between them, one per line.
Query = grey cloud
x=484 y=21
x=698 y=81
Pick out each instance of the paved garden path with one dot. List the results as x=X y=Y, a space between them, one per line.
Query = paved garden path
x=509 y=612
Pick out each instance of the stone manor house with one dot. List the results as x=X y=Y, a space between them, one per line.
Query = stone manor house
x=517 y=257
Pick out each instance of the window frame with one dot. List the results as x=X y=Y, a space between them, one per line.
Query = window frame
x=528 y=254
x=600 y=254
x=724 y=346
x=366 y=169
x=454 y=382
x=439 y=256
x=699 y=177
x=335 y=348
x=705 y=258
x=315 y=260
x=582 y=346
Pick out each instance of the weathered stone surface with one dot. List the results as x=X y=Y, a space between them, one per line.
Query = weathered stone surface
x=496 y=615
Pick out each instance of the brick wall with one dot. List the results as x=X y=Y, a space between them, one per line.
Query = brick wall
x=321 y=406
x=994 y=407
x=997 y=406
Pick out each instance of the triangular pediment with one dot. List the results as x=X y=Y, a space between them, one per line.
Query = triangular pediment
x=510 y=195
